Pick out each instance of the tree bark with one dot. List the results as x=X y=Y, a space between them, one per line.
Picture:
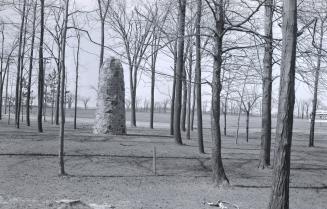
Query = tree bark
x=247 y=122
x=179 y=71
x=19 y=64
x=172 y=107
x=219 y=176
x=41 y=72
x=189 y=93
x=1 y=68
x=198 y=76
x=315 y=91
x=58 y=89
x=76 y=78
x=193 y=104
x=279 y=198
x=29 y=84
x=264 y=159
x=154 y=53
x=225 y=115
x=63 y=85
x=184 y=100
x=133 y=101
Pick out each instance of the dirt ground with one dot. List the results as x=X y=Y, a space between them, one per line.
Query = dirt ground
x=117 y=171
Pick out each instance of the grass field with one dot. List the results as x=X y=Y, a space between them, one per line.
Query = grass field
x=117 y=170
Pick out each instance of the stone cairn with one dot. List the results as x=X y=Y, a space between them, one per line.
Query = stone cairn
x=110 y=113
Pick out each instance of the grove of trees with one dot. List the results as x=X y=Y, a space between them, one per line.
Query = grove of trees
x=218 y=57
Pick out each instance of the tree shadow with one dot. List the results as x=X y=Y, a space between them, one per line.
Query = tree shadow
x=323 y=187
x=148 y=135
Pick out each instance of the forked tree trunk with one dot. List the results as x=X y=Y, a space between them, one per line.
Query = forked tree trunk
x=198 y=76
x=315 y=91
x=179 y=72
x=219 y=176
x=264 y=158
x=279 y=198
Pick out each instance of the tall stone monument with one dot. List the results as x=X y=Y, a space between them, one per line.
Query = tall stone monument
x=110 y=113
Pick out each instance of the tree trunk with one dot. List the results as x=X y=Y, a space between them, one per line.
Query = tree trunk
x=184 y=100
x=264 y=159
x=279 y=198
x=29 y=84
x=76 y=78
x=153 y=78
x=219 y=176
x=58 y=85
x=189 y=92
x=247 y=123
x=102 y=43
x=179 y=72
x=225 y=115
x=41 y=72
x=240 y=109
x=20 y=91
x=7 y=84
x=1 y=69
x=193 y=104
x=172 y=106
x=19 y=65
x=315 y=91
x=198 y=76
x=63 y=85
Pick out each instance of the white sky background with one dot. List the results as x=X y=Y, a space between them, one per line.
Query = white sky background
x=89 y=61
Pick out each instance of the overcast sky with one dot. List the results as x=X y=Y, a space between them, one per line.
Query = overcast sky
x=89 y=63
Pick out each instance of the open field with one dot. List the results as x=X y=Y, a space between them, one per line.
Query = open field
x=117 y=170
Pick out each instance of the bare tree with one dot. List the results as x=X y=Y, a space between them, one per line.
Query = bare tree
x=248 y=104
x=319 y=48
x=135 y=36
x=85 y=101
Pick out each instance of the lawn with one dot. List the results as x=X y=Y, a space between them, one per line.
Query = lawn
x=117 y=170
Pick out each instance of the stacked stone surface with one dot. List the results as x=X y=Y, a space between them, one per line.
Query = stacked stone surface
x=110 y=113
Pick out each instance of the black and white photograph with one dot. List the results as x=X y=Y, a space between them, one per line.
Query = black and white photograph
x=163 y=104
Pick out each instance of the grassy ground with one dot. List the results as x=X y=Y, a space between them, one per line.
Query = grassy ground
x=117 y=170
